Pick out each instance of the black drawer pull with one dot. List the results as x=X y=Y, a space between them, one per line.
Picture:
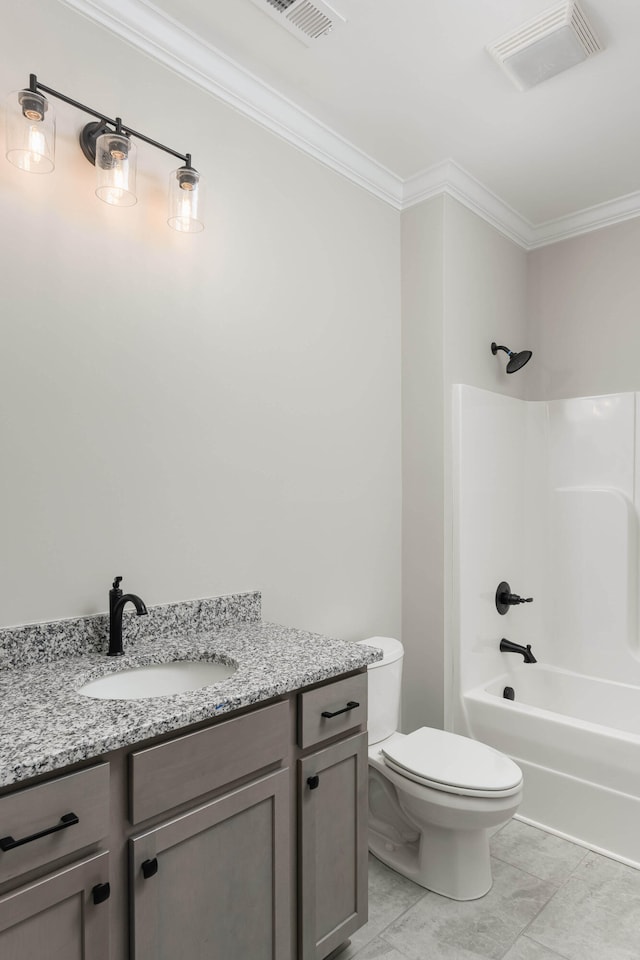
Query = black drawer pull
x=8 y=843
x=313 y=782
x=350 y=706
x=149 y=868
x=101 y=892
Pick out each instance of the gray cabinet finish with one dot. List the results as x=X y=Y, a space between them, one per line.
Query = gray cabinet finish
x=191 y=766
x=35 y=809
x=252 y=863
x=313 y=728
x=333 y=845
x=221 y=889
x=56 y=917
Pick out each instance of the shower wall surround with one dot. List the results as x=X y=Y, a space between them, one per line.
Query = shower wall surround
x=546 y=497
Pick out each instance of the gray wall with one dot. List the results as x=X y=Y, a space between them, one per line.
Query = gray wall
x=200 y=414
x=223 y=412
x=463 y=285
x=583 y=313
x=422 y=463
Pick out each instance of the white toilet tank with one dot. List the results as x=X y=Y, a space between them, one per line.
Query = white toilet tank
x=384 y=682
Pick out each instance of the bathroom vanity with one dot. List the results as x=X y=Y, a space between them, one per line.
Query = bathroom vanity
x=244 y=831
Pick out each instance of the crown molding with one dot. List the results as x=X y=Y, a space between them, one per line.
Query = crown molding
x=450 y=178
x=605 y=214
x=146 y=28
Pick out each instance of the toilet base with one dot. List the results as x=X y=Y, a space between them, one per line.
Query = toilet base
x=439 y=840
x=455 y=864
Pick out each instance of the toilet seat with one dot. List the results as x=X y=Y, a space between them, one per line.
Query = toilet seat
x=453 y=764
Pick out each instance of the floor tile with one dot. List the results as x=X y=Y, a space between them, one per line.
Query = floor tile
x=595 y=914
x=390 y=894
x=542 y=854
x=484 y=929
x=377 y=950
x=526 y=949
x=598 y=870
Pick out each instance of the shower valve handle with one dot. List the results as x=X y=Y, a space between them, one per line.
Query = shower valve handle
x=506 y=599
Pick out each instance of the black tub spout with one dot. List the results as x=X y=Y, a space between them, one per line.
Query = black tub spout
x=507 y=647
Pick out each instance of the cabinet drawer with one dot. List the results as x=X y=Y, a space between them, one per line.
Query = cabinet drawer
x=172 y=773
x=35 y=810
x=334 y=698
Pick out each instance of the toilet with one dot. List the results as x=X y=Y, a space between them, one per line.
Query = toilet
x=434 y=797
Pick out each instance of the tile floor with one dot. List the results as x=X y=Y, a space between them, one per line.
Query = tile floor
x=551 y=900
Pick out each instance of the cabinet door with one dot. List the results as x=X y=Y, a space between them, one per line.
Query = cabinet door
x=213 y=884
x=64 y=916
x=333 y=845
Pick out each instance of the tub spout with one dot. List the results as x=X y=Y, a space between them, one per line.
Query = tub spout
x=507 y=647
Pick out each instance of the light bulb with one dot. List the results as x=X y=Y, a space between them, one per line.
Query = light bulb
x=186 y=200
x=30 y=132
x=116 y=169
x=37 y=146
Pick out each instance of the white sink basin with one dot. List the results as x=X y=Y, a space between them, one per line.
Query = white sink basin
x=157 y=680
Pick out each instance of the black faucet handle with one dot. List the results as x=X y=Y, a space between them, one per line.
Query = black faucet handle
x=506 y=599
x=116 y=583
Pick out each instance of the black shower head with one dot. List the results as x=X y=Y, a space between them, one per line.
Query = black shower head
x=516 y=360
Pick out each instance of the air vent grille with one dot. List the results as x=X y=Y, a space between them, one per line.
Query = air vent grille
x=310 y=20
x=281 y=5
x=554 y=41
x=584 y=31
x=306 y=20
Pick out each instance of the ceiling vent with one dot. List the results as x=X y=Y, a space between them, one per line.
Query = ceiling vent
x=307 y=21
x=554 y=41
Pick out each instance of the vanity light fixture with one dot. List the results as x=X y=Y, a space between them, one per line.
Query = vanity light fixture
x=106 y=143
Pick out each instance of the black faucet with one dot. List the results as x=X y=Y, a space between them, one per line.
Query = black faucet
x=507 y=647
x=117 y=602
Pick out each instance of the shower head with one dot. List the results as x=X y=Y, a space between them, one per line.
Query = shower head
x=516 y=360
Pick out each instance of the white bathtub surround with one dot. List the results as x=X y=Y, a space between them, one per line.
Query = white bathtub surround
x=577 y=741
x=546 y=498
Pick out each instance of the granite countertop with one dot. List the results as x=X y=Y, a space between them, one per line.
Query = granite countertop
x=45 y=724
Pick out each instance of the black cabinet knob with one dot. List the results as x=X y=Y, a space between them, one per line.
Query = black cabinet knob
x=101 y=892
x=313 y=782
x=149 y=868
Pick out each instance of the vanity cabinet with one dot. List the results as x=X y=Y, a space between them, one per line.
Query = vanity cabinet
x=333 y=846
x=60 y=908
x=332 y=816
x=241 y=838
x=218 y=873
x=63 y=916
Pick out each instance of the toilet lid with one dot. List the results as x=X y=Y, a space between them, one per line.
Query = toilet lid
x=452 y=763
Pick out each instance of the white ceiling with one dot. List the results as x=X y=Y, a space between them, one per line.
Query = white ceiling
x=409 y=84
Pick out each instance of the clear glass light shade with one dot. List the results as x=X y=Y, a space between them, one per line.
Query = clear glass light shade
x=116 y=169
x=31 y=132
x=186 y=200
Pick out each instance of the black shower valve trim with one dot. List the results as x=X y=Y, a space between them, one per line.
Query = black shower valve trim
x=506 y=599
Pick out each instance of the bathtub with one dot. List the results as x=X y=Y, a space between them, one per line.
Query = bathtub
x=577 y=740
